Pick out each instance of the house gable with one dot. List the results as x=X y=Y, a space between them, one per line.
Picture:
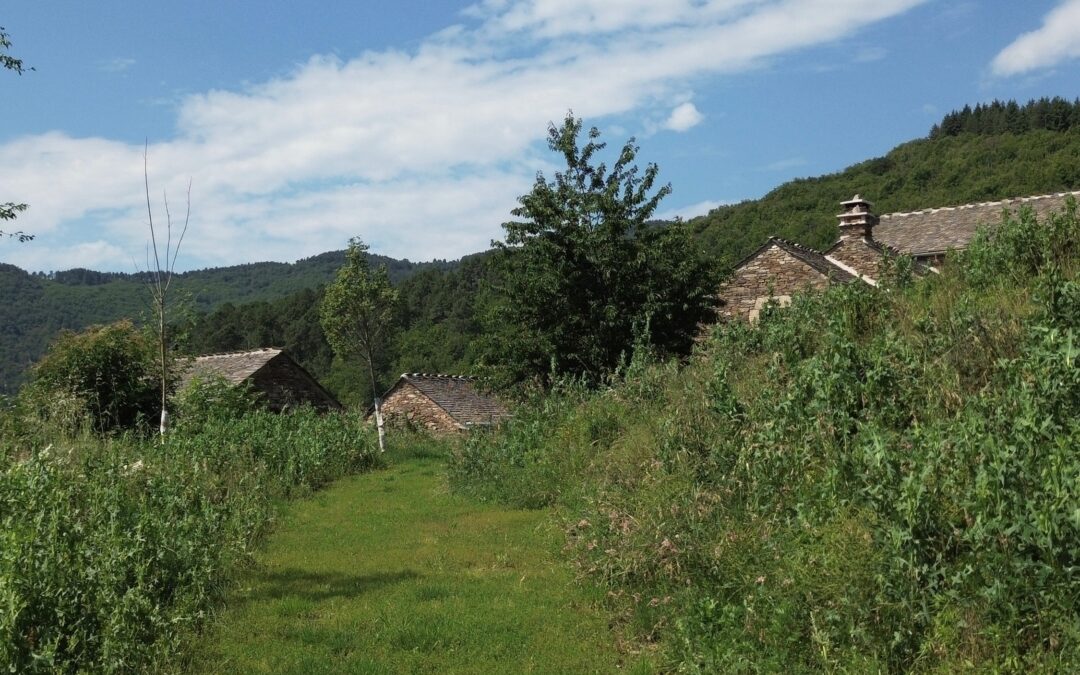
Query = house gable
x=440 y=403
x=272 y=372
x=779 y=269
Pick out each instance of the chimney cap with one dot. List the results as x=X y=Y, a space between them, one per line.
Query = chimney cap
x=857 y=199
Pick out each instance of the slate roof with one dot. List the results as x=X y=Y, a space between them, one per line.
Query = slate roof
x=234 y=367
x=284 y=382
x=458 y=396
x=815 y=259
x=934 y=231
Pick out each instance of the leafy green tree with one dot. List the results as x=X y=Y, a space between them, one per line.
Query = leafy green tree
x=357 y=315
x=8 y=210
x=584 y=274
x=106 y=376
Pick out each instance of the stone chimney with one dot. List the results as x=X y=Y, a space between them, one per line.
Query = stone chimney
x=858 y=218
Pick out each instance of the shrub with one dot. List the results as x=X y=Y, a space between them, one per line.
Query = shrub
x=868 y=480
x=104 y=377
x=114 y=550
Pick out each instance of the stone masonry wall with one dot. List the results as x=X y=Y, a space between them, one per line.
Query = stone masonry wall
x=773 y=269
x=855 y=253
x=406 y=405
x=286 y=387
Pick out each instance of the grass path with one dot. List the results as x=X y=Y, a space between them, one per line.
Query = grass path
x=388 y=572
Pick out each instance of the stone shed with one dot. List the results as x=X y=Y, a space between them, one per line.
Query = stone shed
x=440 y=403
x=283 y=382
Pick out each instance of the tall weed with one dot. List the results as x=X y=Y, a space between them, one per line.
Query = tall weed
x=868 y=480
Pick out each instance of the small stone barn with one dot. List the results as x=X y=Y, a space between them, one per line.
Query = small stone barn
x=781 y=268
x=440 y=403
x=272 y=372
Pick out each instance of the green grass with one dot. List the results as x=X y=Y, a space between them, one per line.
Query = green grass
x=390 y=572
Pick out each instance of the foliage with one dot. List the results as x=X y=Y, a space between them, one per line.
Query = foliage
x=358 y=310
x=114 y=551
x=940 y=171
x=8 y=210
x=869 y=480
x=1008 y=117
x=103 y=377
x=209 y=400
x=41 y=304
x=584 y=272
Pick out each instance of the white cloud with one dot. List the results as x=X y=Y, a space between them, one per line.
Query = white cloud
x=1057 y=40
x=421 y=153
x=691 y=210
x=683 y=117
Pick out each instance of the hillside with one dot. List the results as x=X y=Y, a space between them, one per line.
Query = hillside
x=991 y=152
x=36 y=306
x=871 y=480
x=940 y=171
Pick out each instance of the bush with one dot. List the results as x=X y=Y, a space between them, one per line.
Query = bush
x=868 y=480
x=105 y=377
x=113 y=551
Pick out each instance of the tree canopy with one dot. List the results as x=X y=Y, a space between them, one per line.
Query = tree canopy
x=583 y=274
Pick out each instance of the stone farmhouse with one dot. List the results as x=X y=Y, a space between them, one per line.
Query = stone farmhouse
x=439 y=403
x=781 y=268
x=281 y=381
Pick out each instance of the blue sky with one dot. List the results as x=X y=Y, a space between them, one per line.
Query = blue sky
x=415 y=125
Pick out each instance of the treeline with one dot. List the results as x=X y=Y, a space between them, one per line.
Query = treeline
x=941 y=171
x=437 y=315
x=36 y=306
x=1009 y=117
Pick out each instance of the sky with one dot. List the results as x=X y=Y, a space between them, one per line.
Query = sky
x=415 y=125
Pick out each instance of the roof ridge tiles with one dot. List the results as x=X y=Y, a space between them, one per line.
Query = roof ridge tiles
x=440 y=375
x=1001 y=202
x=238 y=352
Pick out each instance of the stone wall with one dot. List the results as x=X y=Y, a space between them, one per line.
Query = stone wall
x=771 y=270
x=405 y=405
x=857 y=254
x=285 y=385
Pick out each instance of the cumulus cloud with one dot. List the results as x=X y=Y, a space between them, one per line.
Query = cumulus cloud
x=1057 y=40
x=423 y=152
x=683 y=117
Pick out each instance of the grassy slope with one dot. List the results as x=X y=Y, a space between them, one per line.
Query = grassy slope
x=388 y=572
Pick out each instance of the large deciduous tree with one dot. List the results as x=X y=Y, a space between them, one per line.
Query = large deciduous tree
x=585 y=274
x=358 y=315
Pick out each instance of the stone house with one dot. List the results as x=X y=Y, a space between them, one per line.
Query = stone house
x=782 y=268
x=282 y=382
x=439 y=403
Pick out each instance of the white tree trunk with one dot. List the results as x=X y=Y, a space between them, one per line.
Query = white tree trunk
x=379 y=425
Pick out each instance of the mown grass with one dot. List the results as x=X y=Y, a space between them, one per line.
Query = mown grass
x=390 y=572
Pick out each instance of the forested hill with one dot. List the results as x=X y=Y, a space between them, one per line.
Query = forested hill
x=990 y=152
x=975 y=154
x=36 y=306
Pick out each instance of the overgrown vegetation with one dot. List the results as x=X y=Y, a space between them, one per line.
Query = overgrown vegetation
x=115 y=549
x=871 y=480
